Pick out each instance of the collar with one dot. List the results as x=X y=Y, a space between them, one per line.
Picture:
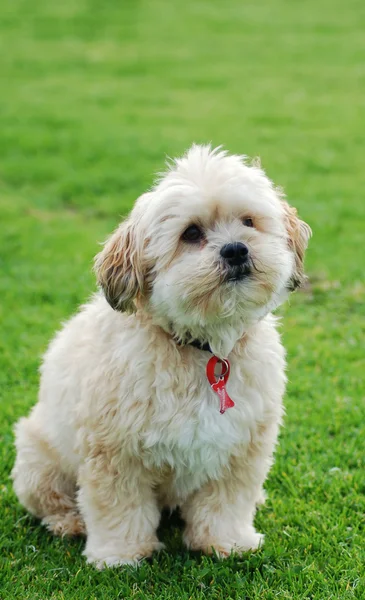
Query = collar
x=217 y=383
x=205 y=346
x=200 y=345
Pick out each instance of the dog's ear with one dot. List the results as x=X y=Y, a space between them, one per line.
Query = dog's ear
x=119 y=266
x=298 y=235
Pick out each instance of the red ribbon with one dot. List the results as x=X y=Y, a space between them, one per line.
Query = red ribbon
x=219 y=385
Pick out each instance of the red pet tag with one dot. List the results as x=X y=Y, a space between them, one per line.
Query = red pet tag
x=219 y=385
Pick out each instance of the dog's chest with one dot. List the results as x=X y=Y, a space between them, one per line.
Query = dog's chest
x=188 y=434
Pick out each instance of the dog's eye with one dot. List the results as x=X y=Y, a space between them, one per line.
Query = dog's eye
x=248 y=222
x=193 y=234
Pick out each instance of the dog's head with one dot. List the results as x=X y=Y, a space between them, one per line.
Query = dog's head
x=214 y=245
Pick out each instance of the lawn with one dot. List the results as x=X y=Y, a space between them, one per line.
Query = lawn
x=94 y=95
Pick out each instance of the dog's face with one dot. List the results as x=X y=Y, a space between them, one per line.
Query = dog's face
x=212 y=244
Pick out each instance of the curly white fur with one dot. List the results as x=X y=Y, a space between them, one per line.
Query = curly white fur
x=126 y=421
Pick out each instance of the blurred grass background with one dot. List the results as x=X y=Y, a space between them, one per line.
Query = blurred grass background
x=94 y=95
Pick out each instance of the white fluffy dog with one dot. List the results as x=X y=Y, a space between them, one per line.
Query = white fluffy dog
x=129 y=418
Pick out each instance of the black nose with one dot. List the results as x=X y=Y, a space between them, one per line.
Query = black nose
x=235 y=254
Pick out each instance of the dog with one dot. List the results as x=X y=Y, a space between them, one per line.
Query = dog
x=166 y=389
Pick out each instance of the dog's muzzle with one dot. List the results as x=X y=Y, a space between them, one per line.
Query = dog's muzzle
x=235 y=254
x=236 y=260
x=237 y=273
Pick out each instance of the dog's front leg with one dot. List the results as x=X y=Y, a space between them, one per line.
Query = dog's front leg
x=119 y=507
x=216 y=522
x=220 y=515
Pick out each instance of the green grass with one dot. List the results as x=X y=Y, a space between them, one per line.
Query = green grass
x=93 y=96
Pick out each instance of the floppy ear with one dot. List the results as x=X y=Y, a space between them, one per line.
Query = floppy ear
x=119 y=267
x=299 y=233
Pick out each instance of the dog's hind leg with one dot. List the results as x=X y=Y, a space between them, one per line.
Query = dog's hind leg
x=40 y=483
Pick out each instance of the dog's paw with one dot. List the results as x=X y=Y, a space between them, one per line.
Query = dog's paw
x=248 y=540
x=249 y=543
x=111 y=561
x=68 y=523
x=129 y=556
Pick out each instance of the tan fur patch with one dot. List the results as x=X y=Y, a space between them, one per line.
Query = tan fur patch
x=299 y=233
